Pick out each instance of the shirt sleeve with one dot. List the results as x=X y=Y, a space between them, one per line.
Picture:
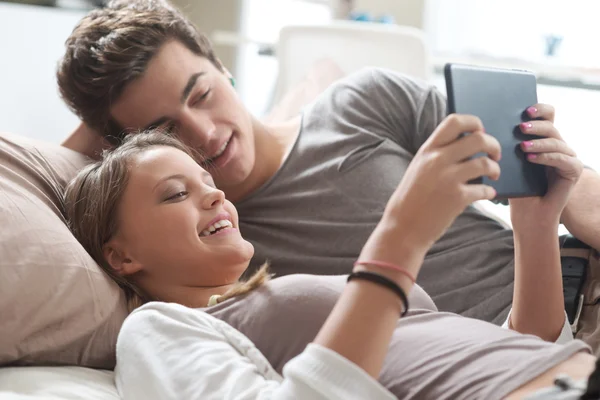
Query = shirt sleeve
x=168 y=351
x=404 y=109
x=566 y=335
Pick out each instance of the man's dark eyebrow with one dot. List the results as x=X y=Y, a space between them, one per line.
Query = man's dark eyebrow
x=189 y=86
x=184 y=95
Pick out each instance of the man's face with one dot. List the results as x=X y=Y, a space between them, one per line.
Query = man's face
x=190 y=95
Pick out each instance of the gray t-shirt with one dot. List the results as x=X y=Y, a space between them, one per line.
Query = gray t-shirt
x=432 y=355
x=355 y=143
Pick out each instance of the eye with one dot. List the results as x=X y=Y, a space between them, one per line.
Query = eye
x=199 y=99
x=178 y=195
x=167 y=127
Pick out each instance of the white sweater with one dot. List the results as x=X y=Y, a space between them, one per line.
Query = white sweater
x=168 y=351
x=221 y=363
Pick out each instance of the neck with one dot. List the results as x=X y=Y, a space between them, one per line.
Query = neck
x=193 y=297
x=272 y=144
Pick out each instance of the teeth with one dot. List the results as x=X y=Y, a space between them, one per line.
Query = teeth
x=219 y=224
x=221 y=150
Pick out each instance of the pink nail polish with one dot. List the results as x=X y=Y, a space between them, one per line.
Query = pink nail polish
x=527 y=144
x=532 y=111
x=526 y=126
x=531 y=156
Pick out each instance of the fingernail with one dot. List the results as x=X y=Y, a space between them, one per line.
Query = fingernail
x=531 y=156
x=526 y=126
x=532 y=111
x=527 y=144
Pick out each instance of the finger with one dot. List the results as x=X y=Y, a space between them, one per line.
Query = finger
x=540 y=128
x=547 y=146
x=567 y=166
x=475 y=192
x=452 y=127
x=543 y=111
x=476 y=168
x=469 y=145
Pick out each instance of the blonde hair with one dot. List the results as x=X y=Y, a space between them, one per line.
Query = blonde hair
x=92 y=199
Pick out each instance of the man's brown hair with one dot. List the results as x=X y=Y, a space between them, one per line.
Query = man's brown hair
x=111 y=47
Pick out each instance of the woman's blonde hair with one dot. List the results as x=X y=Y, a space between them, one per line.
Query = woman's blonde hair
x=92 y=199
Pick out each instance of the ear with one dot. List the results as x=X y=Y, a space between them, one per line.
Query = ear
x=118 y=258
x=223 y=69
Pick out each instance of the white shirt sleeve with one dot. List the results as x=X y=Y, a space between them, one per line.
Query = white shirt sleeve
x=566 y=335
x=168 y=351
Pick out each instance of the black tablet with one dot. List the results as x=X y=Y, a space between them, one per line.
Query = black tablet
x=500 y=98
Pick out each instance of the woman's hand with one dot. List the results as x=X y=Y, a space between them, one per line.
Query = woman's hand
x=435 y=190
x=563 y=171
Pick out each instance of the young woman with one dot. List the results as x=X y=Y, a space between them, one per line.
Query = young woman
x=155 y=221
x=310 y=190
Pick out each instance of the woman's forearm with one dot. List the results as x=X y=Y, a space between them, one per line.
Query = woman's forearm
x=361 y=324
x=538 y=304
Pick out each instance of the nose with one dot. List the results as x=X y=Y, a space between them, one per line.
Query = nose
x=197 y=128
x=212 y=198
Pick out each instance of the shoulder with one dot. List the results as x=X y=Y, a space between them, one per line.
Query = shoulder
x=158 y=319
x=375 y=80
x=375 y=90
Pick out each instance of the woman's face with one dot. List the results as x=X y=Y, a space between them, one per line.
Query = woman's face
x=186 y=93
x=175 y=229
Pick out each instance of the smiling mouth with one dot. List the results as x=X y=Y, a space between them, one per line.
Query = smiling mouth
x=220 y=152
x=217 y=227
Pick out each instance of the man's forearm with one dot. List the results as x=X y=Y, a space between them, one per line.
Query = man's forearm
x=85 y=141
x=581 y=216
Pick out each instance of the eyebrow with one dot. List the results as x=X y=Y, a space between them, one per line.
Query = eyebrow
x=189 y=86
x=184 y=95
x=180 y=177
x=177 y=177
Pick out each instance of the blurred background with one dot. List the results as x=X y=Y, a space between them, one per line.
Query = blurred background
x=555 y=39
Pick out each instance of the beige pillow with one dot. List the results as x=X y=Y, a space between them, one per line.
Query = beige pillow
x=56 y=304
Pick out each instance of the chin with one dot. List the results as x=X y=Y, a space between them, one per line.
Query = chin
x=246 y=251
x=240 y=252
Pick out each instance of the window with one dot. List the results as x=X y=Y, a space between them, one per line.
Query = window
x=261 y=21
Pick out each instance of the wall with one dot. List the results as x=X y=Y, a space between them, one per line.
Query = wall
x=262 y=20
x=210 y=15
x=31 y=43
x=405 y=12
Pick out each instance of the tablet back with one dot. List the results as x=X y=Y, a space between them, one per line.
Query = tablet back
x=499 y=97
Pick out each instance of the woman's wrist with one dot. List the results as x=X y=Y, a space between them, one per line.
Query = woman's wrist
x=390 y=243
x=399 y=278
x=532 y=226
